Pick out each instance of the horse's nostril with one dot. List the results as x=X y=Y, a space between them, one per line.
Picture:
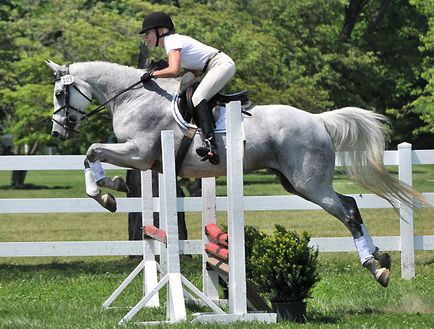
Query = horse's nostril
x=55 y=134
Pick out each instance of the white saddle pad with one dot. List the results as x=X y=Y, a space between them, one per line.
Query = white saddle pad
x=218 y=112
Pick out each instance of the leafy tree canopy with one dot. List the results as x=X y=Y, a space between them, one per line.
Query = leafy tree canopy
x=286 y=52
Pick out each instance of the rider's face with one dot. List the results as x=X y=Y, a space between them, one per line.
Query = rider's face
x=150 y=38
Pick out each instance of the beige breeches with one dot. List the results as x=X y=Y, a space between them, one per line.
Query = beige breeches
x=219 y=71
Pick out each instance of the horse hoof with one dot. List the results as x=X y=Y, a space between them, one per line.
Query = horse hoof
x=382 y=276
x=120 y=184
x=109 y=202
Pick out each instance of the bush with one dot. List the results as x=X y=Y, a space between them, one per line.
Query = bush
x=252 y=235
x=282 y=264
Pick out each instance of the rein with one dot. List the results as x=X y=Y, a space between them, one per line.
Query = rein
x=102 y=106
x=95 y=111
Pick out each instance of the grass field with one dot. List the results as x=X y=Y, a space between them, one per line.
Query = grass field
x=68 y=292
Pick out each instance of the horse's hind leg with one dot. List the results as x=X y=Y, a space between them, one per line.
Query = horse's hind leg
x=383 y=258
x=378 y=263
x=345 y=209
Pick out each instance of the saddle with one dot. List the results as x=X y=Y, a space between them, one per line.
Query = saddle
x=184 y=103
x=186 y=108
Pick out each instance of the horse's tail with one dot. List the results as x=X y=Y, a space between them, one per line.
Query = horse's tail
x=360 y=137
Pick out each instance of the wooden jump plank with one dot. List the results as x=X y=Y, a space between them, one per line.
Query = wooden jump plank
x=155 y=233
x=216 y=250
x=215 y=233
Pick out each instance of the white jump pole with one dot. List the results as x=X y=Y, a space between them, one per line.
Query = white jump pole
x=148 y=264
x=169 y=255
x=235 y=199
x=150 y=273
x=210 y=280
x=169 y=223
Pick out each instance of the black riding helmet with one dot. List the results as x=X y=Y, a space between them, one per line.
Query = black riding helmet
x=155 y=21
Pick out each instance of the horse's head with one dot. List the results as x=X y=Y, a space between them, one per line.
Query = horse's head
x=71 y=96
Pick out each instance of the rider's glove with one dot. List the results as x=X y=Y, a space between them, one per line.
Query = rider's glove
x=146 y=77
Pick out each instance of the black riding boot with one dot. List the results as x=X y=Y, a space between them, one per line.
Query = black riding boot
x=208 y=151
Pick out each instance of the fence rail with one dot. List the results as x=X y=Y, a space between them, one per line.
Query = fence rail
x=187 y=247
x=193 y=204
x=404 y=158
x=75 y=162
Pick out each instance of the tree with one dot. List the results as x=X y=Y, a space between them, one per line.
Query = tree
x=286 y=52
x=64 y=32
x=423 y=105
x=352 y=11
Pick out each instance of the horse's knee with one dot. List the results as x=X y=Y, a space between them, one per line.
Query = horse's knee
x=94 y=152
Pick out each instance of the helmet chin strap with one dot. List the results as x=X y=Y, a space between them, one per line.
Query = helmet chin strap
x=161 y=35
x=158 y=37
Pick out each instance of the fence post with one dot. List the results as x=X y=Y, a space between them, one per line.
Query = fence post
x=406 y=213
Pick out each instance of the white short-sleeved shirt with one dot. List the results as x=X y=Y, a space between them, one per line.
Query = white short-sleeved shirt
x=194 y=54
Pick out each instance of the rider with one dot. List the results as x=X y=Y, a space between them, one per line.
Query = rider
x=183 y=51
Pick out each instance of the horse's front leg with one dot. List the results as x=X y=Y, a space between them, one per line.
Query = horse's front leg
x=124 y=154
x=94 y=175
x=116 y=183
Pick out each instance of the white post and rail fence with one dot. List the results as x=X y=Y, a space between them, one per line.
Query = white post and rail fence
x=407 y=243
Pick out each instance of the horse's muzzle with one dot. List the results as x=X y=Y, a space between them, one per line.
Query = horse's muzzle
x=58 y=135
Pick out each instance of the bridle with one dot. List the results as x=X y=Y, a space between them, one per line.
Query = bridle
x=71 y=118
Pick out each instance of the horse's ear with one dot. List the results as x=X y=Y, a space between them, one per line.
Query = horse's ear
x=55 y=67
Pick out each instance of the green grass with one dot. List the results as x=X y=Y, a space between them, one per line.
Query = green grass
x=67 y=292
x=69 y=295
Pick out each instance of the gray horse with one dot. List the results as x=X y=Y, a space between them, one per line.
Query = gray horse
x=298 y=146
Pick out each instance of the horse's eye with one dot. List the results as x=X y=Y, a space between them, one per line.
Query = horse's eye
x=59 y=93
x=72 y=119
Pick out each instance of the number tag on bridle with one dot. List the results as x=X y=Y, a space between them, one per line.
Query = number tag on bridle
x=67 y=79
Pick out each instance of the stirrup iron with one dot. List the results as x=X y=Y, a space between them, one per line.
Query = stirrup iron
x=208 y=152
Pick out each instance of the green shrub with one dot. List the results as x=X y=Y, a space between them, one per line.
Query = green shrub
x=252 y=235
x=282 y=264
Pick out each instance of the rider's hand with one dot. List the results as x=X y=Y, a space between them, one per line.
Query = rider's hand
x=146 y=77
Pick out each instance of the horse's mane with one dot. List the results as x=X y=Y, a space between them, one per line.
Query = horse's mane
x=96 y=69
x=128 y=75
